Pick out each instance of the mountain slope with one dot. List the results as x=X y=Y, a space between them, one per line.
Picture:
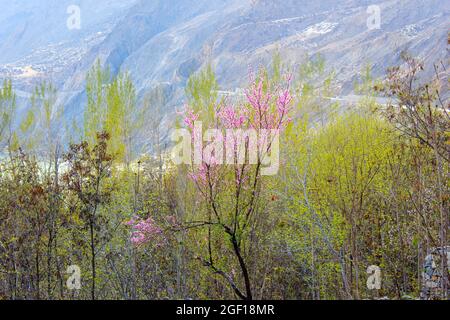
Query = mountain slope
x=162 y=42
x=233 y=34
x=28 y=25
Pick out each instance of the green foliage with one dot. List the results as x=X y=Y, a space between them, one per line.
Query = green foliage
x=357 y=186
x=94 y=115
x=41 y=124
x=111 y=107
x=7 y=110
x=120 y=113
x=202 y=95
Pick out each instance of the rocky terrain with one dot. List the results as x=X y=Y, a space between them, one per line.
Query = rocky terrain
x=162 y=42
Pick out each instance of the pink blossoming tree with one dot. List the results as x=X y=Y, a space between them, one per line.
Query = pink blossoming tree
x=231 y=192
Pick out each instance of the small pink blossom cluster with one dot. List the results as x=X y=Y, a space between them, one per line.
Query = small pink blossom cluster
x=232 y=117
x=204 y=175
x=257 y=112
x=242 y=176
x=190 y=117
x=144 y=231
x=260 y=97
x=266 y=109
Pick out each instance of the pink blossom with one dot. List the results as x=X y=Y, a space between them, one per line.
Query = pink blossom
x=260 y=101
x=267 y=108
x=231 y=117
x=144 y=231
x=190 y=117
x=203 y=174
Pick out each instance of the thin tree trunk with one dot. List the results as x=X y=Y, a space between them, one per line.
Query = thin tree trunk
x=91 y=227
x=244 y=270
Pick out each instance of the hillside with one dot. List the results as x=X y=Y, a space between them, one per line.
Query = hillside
x=164 y=42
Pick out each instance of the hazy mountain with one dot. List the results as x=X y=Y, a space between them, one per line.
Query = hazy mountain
x=162 y=42
x=27 y=25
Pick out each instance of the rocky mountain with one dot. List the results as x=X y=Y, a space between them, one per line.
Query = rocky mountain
x=162 y=42
x=30 y=25
x=37 y=42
